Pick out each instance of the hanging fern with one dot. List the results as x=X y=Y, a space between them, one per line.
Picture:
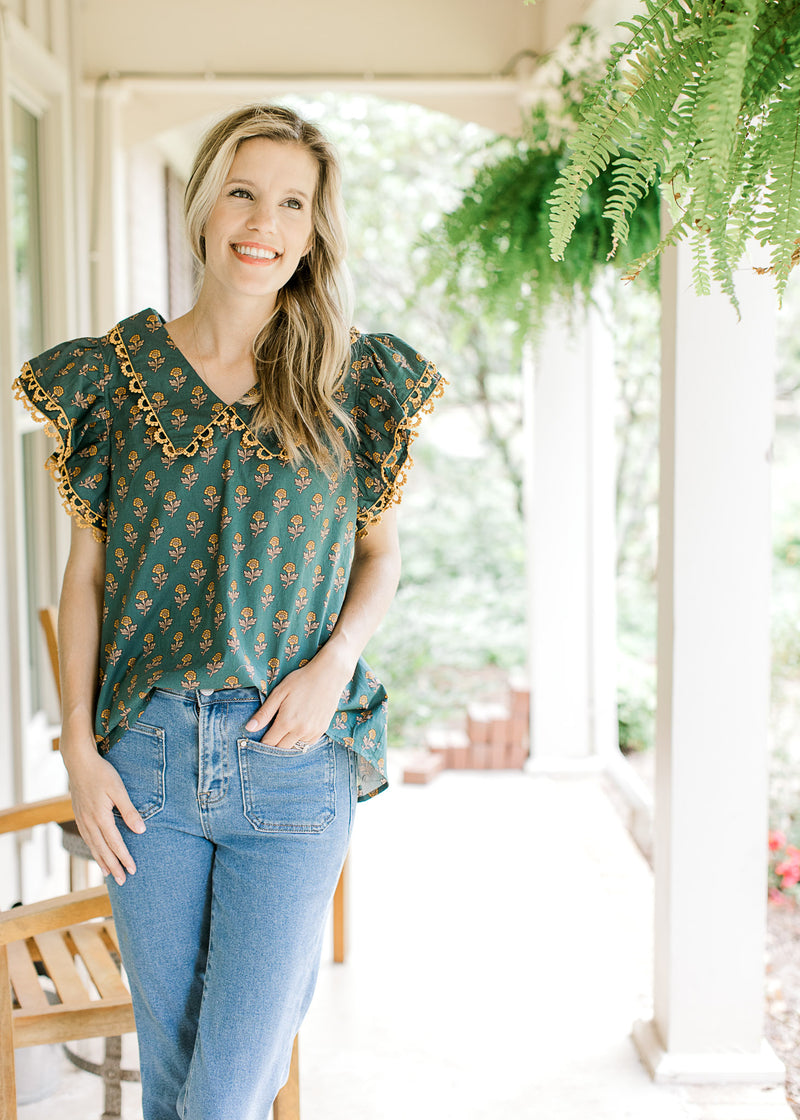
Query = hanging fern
x=496 y=240
x=706 y=94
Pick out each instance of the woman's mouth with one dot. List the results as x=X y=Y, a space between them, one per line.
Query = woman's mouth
x=255 y=252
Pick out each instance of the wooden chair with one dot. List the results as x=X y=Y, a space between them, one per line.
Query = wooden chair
x=71 y=940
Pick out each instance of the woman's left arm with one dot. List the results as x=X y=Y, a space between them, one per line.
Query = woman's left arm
x=302 y=706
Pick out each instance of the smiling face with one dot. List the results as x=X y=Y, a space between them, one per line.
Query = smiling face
x=262 y=222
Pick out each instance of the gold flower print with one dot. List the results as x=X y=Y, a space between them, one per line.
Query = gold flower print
x=280 y=501
x=194 y=523
x=258 y=522
x=252 y=571
x=143 y=601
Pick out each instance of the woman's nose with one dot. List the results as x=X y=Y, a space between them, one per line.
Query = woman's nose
x=262 y=217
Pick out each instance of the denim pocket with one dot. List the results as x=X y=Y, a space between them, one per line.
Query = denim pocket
x=139 y=758
x=288 y=790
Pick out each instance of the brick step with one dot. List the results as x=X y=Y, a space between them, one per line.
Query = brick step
x=422 y=768
x=496 y=738
x=496 y=725
x=458 y=753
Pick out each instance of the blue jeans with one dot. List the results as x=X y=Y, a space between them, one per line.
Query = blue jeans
x=220 y=927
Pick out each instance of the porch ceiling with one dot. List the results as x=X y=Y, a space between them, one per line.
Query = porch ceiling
x=458 y=56
x=316 y=37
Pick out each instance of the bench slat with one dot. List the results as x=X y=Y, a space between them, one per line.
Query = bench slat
x=25 y=979
x=98 y=960
x=61 y=968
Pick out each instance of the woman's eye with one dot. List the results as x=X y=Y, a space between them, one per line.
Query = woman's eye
x=240 y=192
x=294 y=204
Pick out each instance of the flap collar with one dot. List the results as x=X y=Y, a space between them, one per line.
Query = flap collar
x=178 y=407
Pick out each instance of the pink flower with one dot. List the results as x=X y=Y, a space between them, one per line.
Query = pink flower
x=777 y=839
x=776 y=897
x=793 y=854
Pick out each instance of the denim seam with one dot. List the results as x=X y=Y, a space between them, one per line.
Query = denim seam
x=188 y=1082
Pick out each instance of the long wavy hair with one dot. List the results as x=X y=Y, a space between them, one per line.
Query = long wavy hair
x=302 y=349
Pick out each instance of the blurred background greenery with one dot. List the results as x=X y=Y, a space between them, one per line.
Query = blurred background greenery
x=458 y=623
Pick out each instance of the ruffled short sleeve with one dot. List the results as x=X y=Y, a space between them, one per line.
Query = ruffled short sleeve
x=66 y=389
x=394 y=387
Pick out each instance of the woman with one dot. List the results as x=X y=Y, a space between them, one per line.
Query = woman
x=231 y=477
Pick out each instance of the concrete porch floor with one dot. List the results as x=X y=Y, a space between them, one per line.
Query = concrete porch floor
x=500 y=950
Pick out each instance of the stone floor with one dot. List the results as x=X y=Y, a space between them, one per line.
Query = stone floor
x=500 y=950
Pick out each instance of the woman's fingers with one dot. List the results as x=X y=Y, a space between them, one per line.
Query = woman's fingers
x=295 y=722
x=265 y=713
x=108 y=849
x=128 y=811
x=96 y=792
x=301 y=707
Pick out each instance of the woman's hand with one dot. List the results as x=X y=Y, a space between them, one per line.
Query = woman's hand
x=302 y=706
x=96 y=788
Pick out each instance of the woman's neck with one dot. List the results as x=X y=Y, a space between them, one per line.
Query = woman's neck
x=216 y=336
x=225 y=329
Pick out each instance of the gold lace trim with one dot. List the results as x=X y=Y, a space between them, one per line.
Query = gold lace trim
x=226 y=415
x=414 y=408
x=59 y=429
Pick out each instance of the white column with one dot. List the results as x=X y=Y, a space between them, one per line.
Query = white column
x=602 y=534
x=108 y=224
x=713 y=684
x=570 y=527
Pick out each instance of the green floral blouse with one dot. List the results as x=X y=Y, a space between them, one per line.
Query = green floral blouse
x=226 y=565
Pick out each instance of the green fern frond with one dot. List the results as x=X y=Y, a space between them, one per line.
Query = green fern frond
x=775 y=49
x=614 y=118
x=778 y=225
x=718 y=100
x=701 y=272
x=671 y=238
x=706 y=94
x=634 y=174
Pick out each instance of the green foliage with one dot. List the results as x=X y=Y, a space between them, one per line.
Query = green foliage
x=708 y=95
x=458 y=620
x=495 y=242
x=635 y=719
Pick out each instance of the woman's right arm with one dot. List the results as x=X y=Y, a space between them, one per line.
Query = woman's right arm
x=94 y=783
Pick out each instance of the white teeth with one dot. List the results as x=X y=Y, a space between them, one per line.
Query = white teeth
x=259 y=254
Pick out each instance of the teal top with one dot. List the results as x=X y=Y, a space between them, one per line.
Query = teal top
x=226 y=565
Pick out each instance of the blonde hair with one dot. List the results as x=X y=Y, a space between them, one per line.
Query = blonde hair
x=301 y=351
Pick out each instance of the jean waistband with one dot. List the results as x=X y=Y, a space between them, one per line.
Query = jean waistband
x=213 y=695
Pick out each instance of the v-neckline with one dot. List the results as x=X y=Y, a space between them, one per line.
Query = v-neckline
x=196 y=373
